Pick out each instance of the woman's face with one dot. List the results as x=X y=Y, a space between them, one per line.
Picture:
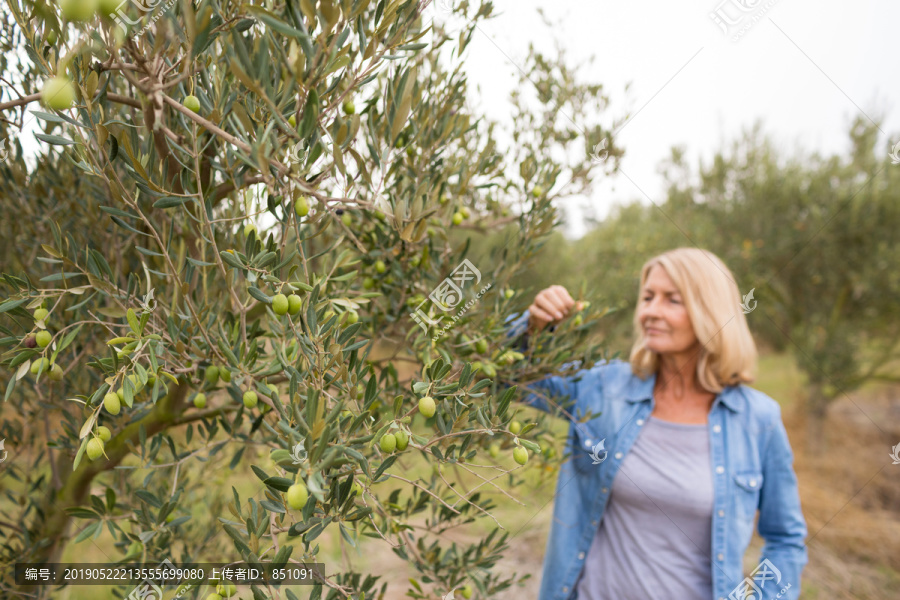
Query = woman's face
x=664 y=319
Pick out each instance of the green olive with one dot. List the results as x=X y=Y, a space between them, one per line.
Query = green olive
x=294 y=304
x=520 y=454
x=297 y=495
x=94 y=448
x=192 y=103
x=280 y=304
x=112 y=404
x=388 y=442
x=43 y=338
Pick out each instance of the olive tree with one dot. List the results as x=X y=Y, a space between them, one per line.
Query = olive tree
x=233 y=250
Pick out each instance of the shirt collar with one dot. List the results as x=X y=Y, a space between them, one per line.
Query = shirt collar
x=639 y=390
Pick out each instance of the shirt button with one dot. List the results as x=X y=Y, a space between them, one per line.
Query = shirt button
x=717 y=429
x=587 y=443
x=581 y=556
x=565 y=588
x=640 y=421
x=618 y=455
x=719 y=556
x=604 y=490
x=721 y=513
x=720 y=469
x=752 y=483
x=594 y=522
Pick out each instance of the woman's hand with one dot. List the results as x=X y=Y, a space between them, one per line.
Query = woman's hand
x=551 y=305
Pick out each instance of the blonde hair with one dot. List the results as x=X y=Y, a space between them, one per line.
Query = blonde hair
x=711 y=297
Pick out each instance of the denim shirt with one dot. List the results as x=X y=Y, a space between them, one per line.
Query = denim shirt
x=751 y=465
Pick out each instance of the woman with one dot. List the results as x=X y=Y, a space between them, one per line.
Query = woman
x=660 y=496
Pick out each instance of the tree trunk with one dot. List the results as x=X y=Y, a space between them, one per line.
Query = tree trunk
x=816 y=410
x=49 y=530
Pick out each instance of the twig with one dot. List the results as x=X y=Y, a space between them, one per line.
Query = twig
x=20 y=101
x=441 y=500
x=53 y=467
x=441 y=475
x=123 y=100
x=197 y=416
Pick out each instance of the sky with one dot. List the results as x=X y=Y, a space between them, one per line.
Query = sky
x=803 y=69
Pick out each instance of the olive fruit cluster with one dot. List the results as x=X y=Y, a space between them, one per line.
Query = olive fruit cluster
x=112 y=401
x=487 y=368
x=510 y=356
x=84 y=10
x=96 y=446
x=214 y=373
x=460 y=215
x=394 y=441
x=42 y=365
x=225 y=589
x=42 y=339
x=282 y=305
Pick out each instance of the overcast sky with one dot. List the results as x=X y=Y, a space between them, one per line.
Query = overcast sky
x=806 y=69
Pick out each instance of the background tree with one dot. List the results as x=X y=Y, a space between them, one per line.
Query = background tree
x=814 y=237
x=236 y=204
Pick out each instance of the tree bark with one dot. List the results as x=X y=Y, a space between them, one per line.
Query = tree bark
x=816 y=413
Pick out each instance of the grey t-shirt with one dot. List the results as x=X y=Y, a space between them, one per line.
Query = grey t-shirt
x=655 y=536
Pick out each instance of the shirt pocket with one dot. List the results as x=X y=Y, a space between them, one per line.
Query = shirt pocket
x=589 y=448
x=748 y=485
